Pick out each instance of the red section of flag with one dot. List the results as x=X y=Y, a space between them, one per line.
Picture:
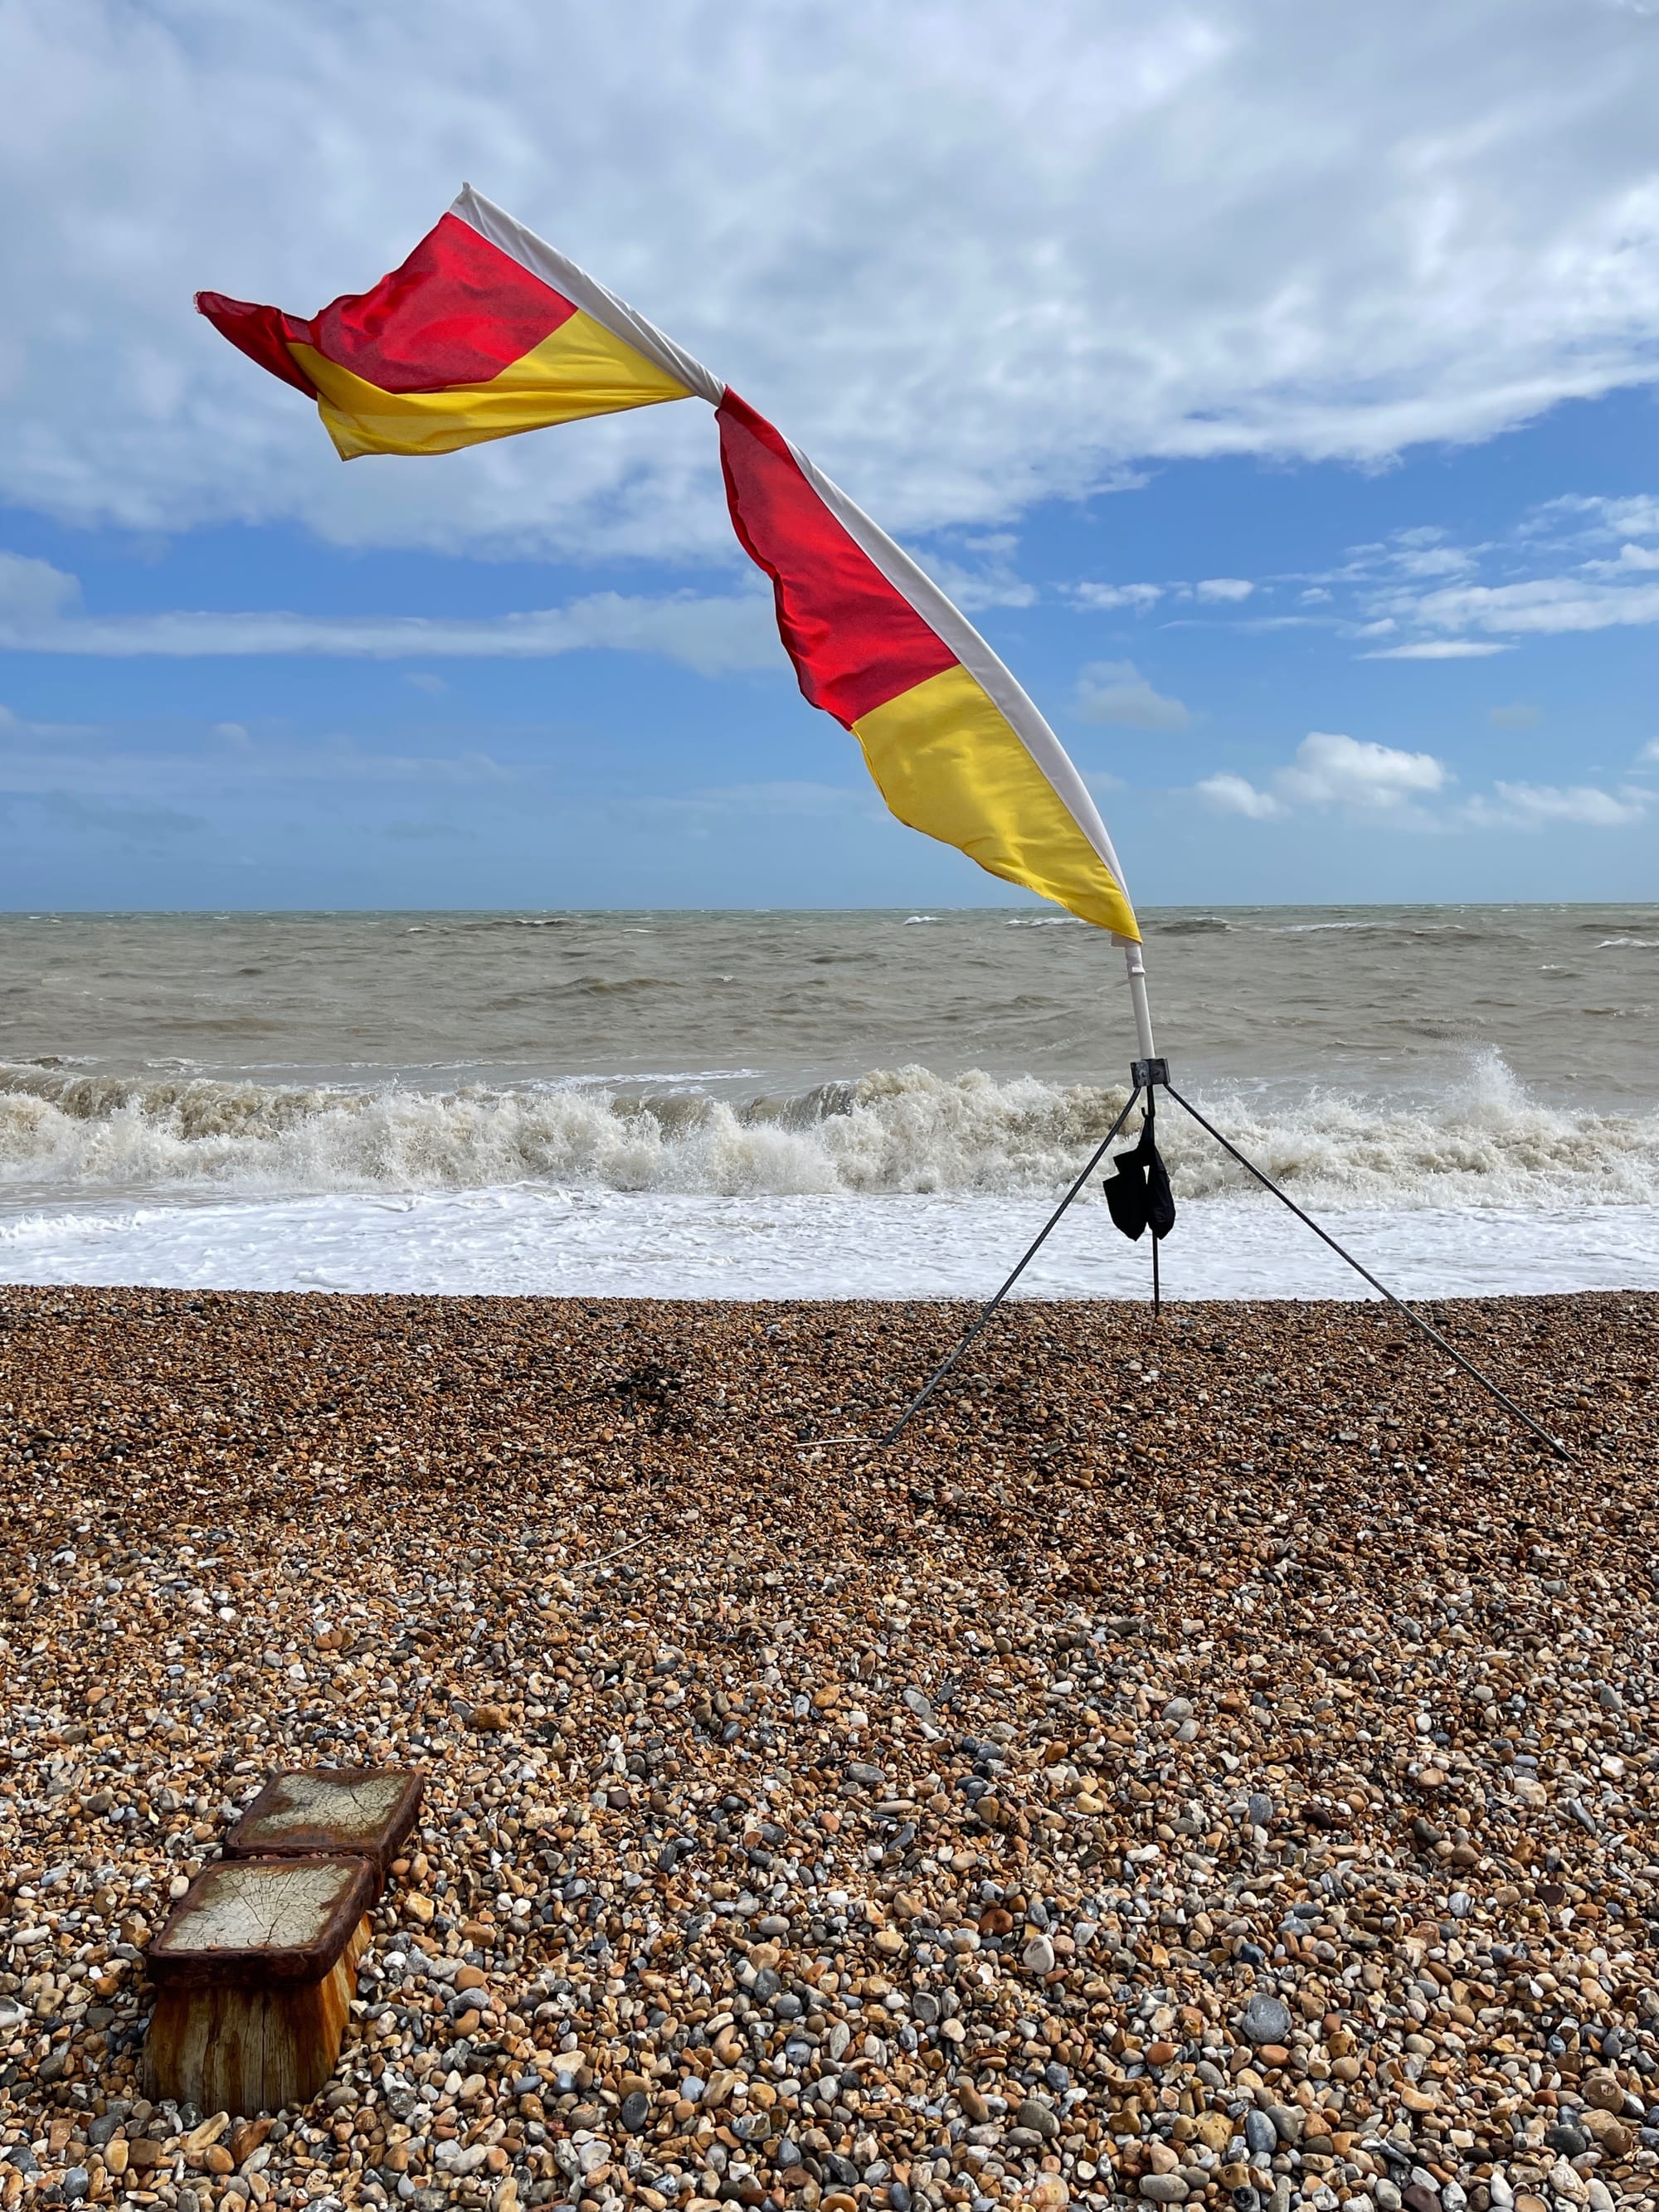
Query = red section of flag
x=856 y=643
x=456 y=312
x=459 y=311
x=258 y=333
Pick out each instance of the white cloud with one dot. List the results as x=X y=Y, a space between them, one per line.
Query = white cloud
x=1106 y=598
x=1384 y=785
x=1332 y=770
x=993 y=582
x=1224 y=588
x=33 y=591
x=1123 y=232
x=1651 y=750
x=1633 y=560
x=1520 y=715
x=1424 y=551
x=1579 y=519
x=1115 y=691
x=1545 y=605
x=1537 y=805
x=711 y=635
x=1437 y=648
x=1637 y=517
x=1591 y=590
x=1233 y=794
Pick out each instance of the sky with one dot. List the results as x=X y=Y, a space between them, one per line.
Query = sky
x=1273 y=385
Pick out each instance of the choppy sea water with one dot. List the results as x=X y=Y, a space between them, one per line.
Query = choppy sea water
x=821 y=1104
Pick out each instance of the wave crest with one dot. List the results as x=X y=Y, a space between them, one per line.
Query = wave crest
x=900 y=1130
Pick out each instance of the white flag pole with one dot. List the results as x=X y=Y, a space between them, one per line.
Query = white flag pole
x=1137 y=968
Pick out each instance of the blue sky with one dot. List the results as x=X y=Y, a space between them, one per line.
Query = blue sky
x=1282 y=409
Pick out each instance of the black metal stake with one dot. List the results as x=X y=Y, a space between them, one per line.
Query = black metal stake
x=1416 y=1320
x=1030 y=1253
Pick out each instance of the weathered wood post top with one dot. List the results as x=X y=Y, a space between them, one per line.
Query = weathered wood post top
x=365 y=1810
x=263 y=1920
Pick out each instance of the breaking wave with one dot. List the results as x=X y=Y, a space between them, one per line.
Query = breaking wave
x=66 y=1132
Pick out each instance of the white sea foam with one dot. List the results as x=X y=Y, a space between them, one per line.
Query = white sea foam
x=67 y=1134
x=529 y=1241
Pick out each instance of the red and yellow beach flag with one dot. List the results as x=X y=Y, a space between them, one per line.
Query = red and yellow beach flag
x=485 y=331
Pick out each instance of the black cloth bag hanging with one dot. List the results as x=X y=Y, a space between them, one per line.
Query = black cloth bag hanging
x=1137 y=1196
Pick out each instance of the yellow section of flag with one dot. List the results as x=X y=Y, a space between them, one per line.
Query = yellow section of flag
x=948 y=762
x=582 y=369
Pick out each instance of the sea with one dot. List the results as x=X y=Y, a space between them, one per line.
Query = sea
x=849 y=1104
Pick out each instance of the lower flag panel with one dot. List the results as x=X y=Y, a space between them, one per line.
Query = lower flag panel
x=948 y=762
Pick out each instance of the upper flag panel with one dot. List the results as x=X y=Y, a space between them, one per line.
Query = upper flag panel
x=486 y=330
x=461 y=344
x=459 y=311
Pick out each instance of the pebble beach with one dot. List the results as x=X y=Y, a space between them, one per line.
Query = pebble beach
x=1207 y=1761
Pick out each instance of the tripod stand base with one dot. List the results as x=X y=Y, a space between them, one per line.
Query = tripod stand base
x=1147 y=1076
